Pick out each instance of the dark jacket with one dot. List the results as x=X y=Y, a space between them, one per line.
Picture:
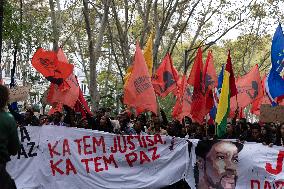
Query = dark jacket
x=9 y=141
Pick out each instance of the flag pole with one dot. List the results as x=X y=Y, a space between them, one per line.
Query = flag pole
x=185 y=60
x=184 y=73
x=206 y=126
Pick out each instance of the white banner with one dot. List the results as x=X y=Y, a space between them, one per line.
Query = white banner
x=229 y=165
x=54 y=157
x=59 y=157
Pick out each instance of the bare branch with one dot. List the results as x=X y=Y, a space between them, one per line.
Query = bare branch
x=185 y=24
x=265 y=57
x=114 y=52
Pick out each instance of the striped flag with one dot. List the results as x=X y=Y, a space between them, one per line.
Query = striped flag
x=227 y=91
x=216 y=96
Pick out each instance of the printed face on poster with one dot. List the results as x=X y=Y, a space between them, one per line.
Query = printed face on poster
x=216 y=164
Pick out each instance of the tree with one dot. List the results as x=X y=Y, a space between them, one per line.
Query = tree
x=1 y=33
x=94 y=52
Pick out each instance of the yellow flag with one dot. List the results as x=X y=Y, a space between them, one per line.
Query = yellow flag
x=127 y=75
x=148 y=54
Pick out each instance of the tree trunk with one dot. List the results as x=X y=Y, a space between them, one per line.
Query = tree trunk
x=84 y=64
x=13 y=70
x=1 y=32
x=108 y=75
x=54 y=26
x=95 y=52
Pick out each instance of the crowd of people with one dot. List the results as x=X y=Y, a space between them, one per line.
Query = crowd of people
x=126 y=123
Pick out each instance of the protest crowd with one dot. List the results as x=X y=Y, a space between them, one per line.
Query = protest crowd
x=128 y=124
x=142 y=116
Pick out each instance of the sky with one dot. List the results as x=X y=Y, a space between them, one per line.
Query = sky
x=234 y=33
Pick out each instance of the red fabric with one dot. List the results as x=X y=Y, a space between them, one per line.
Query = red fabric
x=229 y=68
x=249 y=90
x=52 y=64
x=198 y=98
x=176 y=91
x=182 y=107
x=67 y=96
x=166 y=77
x=210 y=82
x=210 y=76
x=56 y=108
x=139 y=91
x=82 y=105
x=195 y=75
x=262 y=99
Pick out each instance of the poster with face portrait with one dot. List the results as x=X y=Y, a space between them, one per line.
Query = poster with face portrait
x=229 y=165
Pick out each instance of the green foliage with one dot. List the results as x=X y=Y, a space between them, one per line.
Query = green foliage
x=109 y=89
x=167 y=104
x=250 y=47
x=11 y=27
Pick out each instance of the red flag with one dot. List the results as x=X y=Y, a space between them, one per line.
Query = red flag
x=249 y=89
x=210 y=82
x=139 y=92
x=261 y=99
x=183 y=103
x=52 y=65
x=58 y=107
x=229 y=67
x=176 y=91
x=82 y=105
x=166 y=77
x=65 y=96
x=210 y=77
x=198 y=98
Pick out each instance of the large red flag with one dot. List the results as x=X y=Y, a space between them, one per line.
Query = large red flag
x=261 y=99
x=255 y=108
x=65 y=96
x=166 y=77
x=139 y=92
x=210 y=76
x=198 y=98
x=210 y=82
x=52 y=65
x=58 y=107
x=249 y=89
x=82 y=105
x=183 y=103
